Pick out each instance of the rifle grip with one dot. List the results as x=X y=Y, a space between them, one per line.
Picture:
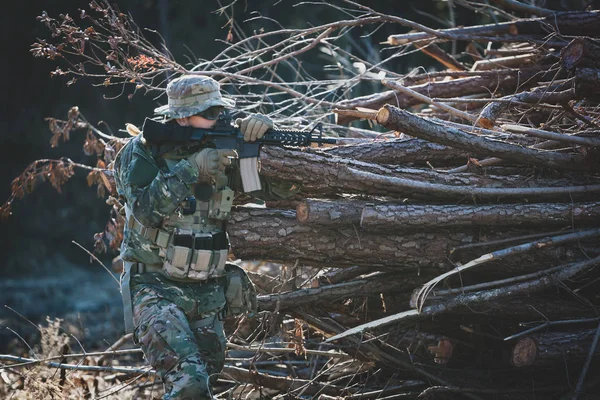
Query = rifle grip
x=249 y=173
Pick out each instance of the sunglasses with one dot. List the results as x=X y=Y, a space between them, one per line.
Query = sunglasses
x=211 y=113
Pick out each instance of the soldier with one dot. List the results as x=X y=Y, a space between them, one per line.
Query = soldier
x=176 y=284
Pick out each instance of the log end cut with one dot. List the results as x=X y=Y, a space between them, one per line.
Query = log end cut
x=302 y=212
x=524 y=353
x=382 y=116
x=485 y=122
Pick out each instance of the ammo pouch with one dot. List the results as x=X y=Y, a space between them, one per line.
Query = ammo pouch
x=240 y=294
x=196 y=256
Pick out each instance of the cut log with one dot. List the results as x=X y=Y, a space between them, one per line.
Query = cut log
x=404 y=217
x=491 y=112
x=400 y=152
x=322 y=175
x=553 y=348
x=261 y=234
x=583 y=52
x=394 y=118
x=394 y=217
x=276 y=235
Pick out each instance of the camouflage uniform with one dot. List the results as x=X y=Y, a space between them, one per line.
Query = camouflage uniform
x=177 y=322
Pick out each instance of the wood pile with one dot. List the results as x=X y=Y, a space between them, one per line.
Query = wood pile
x=455 y=255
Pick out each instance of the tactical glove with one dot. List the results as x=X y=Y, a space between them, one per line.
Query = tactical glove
x=254 y=126
x=210 y=162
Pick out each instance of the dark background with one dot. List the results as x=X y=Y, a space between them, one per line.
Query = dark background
x=41 y=271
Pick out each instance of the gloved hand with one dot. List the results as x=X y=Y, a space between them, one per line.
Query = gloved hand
x=211 y=161
x=254 y=126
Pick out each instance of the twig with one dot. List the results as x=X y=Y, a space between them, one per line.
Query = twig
x=127 y=370
x=551 y=135
x=451 y=110
x=100 y=262
x=550 y=323
x=579 y=388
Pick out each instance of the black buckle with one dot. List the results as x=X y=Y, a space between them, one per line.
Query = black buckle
x=188 y=206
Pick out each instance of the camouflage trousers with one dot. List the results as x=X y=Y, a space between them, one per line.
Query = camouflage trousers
x=181 y=337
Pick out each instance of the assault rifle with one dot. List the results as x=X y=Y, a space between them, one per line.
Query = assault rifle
x=164 y=137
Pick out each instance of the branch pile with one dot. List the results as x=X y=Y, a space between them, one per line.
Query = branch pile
x=456 y=254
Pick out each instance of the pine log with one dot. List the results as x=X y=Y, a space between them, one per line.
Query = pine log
x=264 y=234
x=276 y=235
x=405 y=217
x=394 y=217
x=394 y=118
x=326 y=175
x=553 y=348
x=399 y=152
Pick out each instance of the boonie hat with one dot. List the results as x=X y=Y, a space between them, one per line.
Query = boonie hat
x=191 y=94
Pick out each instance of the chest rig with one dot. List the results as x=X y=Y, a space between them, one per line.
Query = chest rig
x=192 y=242
x=198 y=244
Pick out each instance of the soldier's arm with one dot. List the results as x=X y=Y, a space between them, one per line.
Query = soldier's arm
x=150 y=193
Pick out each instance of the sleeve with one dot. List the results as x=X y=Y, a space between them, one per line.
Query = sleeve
x=152 y=194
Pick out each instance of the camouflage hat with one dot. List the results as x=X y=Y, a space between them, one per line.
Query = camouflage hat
x=191 y=94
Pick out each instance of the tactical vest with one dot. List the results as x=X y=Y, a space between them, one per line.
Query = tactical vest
x=192 y=241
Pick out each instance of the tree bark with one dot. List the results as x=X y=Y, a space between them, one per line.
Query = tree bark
x=406 y=152
x=330 y=212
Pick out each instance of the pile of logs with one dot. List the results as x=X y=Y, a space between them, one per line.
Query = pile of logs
x=454 y=255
